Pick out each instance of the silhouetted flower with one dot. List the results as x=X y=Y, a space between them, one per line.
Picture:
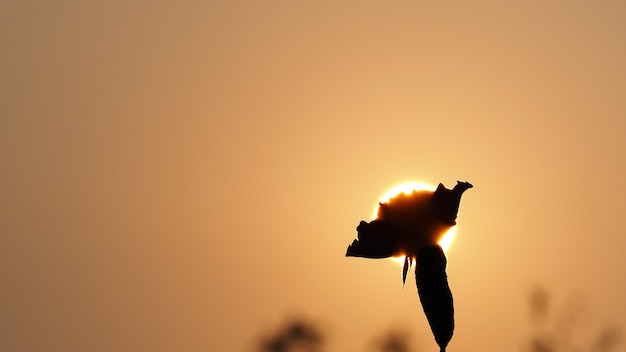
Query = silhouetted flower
x=411 y=225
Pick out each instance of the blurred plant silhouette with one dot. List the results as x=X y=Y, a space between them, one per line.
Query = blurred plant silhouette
x=393 y=341
x=554 y=330
x=297 y=335
x=300 y=335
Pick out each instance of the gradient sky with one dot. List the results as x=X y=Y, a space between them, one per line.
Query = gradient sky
x=183 y=176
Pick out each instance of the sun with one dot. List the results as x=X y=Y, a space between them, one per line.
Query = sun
x=408 y=188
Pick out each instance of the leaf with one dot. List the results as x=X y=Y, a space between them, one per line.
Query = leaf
x=405 y=269
x=435 y=294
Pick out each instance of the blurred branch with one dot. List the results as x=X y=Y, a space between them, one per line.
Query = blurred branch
x=297 y=335
x=608 y=339
x=394 y=341
x=558 y=338
x=539 y=304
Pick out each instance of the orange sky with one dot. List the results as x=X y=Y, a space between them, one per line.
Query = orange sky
x=183 y=176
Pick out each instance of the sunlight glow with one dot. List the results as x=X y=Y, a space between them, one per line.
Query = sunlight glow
x=407 y=188
x=399 y=260
x=446 y=240
x=445 y=244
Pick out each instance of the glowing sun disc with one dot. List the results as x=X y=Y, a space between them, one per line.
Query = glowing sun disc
x=408 y=188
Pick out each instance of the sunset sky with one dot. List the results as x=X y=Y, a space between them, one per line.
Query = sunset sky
x=187 y=175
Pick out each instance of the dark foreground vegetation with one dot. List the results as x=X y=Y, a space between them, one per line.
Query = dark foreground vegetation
x=555 y=329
